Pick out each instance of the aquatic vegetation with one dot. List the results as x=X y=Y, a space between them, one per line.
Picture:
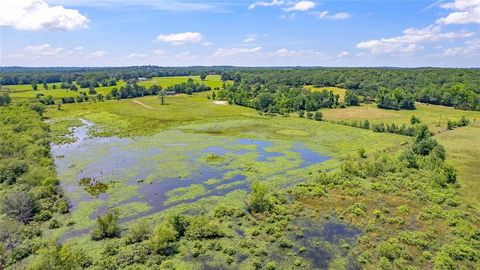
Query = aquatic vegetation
x=92 y=186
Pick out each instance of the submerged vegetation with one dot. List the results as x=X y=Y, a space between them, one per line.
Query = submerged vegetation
x=188 y=182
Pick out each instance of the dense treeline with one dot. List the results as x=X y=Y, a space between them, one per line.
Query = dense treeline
x=277 y=98
x=459 y=88
x=395 y=88
x=28 y=183
x=20 y=75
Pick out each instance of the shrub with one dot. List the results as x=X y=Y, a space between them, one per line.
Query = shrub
x=19 y=205
x=138 y=232
x=223 y=210
x=60 y=257
x=260 y=200
x=202 y=227
x=318 y=116
x=414 y=120
x=162 y=237
x=301 y=113
x=180 y=223
x=10 y=173
x=309 y=115
x=107 y=226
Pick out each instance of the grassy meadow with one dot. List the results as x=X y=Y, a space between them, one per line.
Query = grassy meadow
x=435 y=116
x=19 y=92
x=462 y=144
x=335 y=90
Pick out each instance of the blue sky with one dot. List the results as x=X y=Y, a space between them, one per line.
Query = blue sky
x=242 y=33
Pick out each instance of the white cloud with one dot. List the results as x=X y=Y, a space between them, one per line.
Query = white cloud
x=266 y=4
x=336 y=16
x=137 y=55
x=411 y=40
x=343 y=54
x=98 y=54
x=301 y=6
x=232 y=52
x=249 y=40
x=471 y=48
x=167 y=5
x=207 y=43
x=159 y=52
x=79 y=48
x=301 y=54
x=465 y=12
x=183 y=55
x=181 y=38
x=43 y=50
x=285 y=53
x=36 y=15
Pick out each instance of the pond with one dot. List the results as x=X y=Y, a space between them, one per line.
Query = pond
x=145 y=175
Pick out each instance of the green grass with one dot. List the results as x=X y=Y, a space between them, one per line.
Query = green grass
x=436 y=117
x=462 y=144
x=463 y=151
x=19 y=92
x=335 y=90
x=126 y=117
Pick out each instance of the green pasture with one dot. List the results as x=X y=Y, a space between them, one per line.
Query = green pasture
x=18 y=92
x=435 y=116
x=463 y=151
x=335 y=90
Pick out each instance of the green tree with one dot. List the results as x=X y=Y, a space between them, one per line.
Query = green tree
x=107 y=226
x=318 y=116
x=162 y=237
x=203 y=76
x=260 y=199
x=19 y=205
x=5 y=99
x=161 y=96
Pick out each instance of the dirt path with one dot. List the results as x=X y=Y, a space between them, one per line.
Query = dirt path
x=144 y=105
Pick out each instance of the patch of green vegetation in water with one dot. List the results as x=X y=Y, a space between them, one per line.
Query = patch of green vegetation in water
x=92 y=186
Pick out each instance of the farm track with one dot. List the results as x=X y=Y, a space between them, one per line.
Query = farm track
x=144 y=105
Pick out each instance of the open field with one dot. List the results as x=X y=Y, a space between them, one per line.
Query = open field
x=462 y=144
x=463 y=151
x=435 y=116
x=335 y=90
x=19 y=92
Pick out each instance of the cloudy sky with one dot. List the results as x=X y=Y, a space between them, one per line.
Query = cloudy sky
x=240 y=32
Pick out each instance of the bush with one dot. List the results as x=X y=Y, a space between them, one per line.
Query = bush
x=301 y=113
x=19 y=205
x=10 y=173
x=60 y=257
x=309 y=115
x=260 y=200
x=414 y=120
x=162 y=237
x=202 y=227
x=318 y=116
x=138 y=232
x=106 y=226
x=180 y=223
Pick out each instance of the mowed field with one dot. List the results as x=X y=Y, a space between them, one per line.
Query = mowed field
x=19 y=92
x=335 y=90
x=462 y=144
